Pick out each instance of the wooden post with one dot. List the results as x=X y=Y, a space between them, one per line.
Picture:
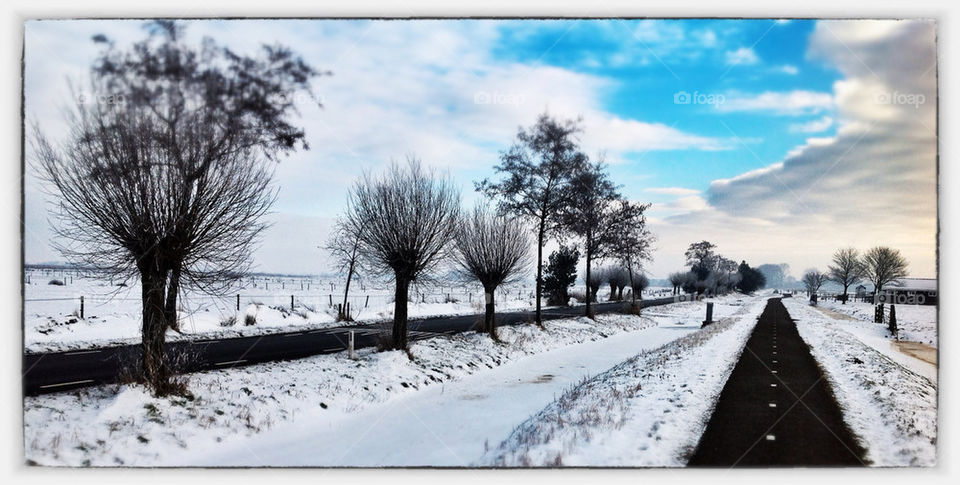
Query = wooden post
x=709 y=319
x=81 y=307
x=238 y=302
x=331 y=298
x=291 y=303
x=350 y=346
x=367 y=303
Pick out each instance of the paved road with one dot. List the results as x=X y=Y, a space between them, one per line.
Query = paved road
x=776 y=408
x=59 y=371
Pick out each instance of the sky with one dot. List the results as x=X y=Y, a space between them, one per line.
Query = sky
x=778 y=140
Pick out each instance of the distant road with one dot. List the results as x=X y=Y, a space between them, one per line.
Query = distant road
x=60 y=371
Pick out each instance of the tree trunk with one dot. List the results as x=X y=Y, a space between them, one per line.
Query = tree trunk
x=170 y=306
x=155 y=369
x=489 y=318
x=589 y=309
x=540 y=234
x=400 y=314
x=844 y=302
x=346 y=290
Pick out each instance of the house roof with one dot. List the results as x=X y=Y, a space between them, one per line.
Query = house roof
x=913 y=284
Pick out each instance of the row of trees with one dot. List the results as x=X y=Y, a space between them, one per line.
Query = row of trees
x=168 y=179
x=407 y=223
x=880 y=266
x=712 y=273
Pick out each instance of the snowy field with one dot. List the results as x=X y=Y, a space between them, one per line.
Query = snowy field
x=916 y=323
x=652 y=408
x=331 y=398
x=886 y=399
x=112 y=313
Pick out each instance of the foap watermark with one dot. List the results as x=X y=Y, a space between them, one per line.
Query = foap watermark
x=898 y=98
x=901 y=298
x=496 y=97
x=684 y=97
x=101 y=98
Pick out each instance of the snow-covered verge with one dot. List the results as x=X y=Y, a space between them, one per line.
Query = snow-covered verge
x=649 y=410
x=916 y=323
x=891 y=409
x=125 y=425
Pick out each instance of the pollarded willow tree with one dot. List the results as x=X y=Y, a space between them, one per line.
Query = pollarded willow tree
x=165 y=171
x=494 y=250
x=406 y=220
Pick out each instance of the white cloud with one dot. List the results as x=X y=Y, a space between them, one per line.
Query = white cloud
x=789 y=69
x=874 y=182
x=672 y=191
x=813 y=126
x=744 y=56
x=432 y=89
x=788 y=103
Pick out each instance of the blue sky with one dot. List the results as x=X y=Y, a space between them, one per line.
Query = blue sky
x=770 y=138
x=650 y=61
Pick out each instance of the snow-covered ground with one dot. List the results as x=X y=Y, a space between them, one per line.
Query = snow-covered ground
x=891 y=408
x=321 y=397
x=112 y=313
x=647 y=411
x=916 y=323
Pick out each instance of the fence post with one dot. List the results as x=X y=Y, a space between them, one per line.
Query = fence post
x=81 y=307
x=709 y=319
x=350 y=346
x=367 y=303
x=331 y=298
x=238 y=302
x=291 y=303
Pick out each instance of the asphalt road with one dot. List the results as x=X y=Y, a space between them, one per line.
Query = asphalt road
x=776 y=408
x=60 y=371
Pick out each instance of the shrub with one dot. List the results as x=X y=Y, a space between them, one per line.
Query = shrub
x=249 y=320
x=229 y=321
x=56 y=283
x=560 y=274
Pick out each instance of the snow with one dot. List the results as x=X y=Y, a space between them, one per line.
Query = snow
x=891 y=408
x=916 y=323
x=649 y=410
x=323 y=398
x=112 y=313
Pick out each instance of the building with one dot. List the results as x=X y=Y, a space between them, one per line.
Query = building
x=910 y=291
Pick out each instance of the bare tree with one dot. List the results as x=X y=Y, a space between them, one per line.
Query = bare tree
x=883 y=265
x=592 y=215
x=701 y=258
x=629 y=240
x=677 y=280
x=537 y=170
x=164 y=175
x=813 y=279
x=493 y=249
x=344 y=249
x=406 y=221
x=618 y=278
x=847 y=269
